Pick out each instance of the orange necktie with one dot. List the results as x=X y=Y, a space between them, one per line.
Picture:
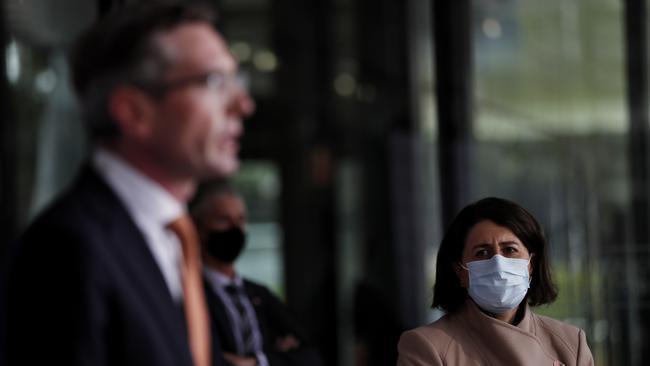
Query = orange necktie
x=196 y=312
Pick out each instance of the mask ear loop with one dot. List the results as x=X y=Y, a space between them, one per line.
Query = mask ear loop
x=530 y=276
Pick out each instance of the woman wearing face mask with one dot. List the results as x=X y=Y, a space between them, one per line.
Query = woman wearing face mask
x=492 y=266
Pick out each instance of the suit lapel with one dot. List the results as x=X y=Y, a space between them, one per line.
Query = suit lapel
x=220 y=320
x=254 y=297
x=145 y=274
x=136 y=260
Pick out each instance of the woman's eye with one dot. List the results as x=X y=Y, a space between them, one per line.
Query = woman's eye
x=482 y=253
x=511 y=250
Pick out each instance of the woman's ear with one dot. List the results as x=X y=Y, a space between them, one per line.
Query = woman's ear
x=531 y=264
x=132 y=110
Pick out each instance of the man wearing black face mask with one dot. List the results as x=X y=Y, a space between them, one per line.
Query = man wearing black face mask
x=253 y=325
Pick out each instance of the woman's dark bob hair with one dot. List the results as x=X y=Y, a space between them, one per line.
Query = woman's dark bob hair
x=448 y=294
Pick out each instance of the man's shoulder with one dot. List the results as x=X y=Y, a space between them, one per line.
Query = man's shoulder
x=67 y=236
x=87 y=197
x=84 y=208
x=251 y=285
x=256 y=289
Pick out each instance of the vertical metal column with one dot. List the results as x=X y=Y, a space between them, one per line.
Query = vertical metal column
x=303 y=35
x=637 y=97
x=8 y=187
x=8 y=154
x=454 y=77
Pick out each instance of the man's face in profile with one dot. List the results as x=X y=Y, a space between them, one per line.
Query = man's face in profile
x=197 y=120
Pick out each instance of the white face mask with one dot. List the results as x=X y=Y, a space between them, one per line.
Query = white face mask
x=498 y=284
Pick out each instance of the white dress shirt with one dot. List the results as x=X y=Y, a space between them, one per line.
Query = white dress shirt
x=152 y=208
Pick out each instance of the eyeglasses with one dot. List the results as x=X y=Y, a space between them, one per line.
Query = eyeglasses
x=213 y=81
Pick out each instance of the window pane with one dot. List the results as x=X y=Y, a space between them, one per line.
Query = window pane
x=551 y=132
x=262 y=259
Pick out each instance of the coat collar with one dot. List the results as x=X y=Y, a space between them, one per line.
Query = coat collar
x=483 y=323
x=510 y=344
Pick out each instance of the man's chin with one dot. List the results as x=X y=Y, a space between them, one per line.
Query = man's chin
x=222 y=169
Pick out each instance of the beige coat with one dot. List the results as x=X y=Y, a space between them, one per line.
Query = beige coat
x=469 y=337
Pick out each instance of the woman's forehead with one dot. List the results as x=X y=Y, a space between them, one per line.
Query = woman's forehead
x=488 y=232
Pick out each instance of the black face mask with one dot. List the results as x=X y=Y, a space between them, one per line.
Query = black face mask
x=225 y=245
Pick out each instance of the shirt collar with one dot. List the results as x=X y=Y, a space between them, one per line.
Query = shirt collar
x=143 y=197
x=220 y=280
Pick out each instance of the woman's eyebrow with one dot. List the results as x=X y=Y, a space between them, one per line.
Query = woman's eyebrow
x=481 y=245
x=508 y=242
x=489 y=244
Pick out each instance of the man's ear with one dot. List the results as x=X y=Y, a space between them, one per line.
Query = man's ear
x=132 y=110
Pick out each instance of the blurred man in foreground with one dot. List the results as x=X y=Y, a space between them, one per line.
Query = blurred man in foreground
x=110 y=273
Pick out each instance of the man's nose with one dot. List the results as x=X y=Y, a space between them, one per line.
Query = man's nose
x=242 y=104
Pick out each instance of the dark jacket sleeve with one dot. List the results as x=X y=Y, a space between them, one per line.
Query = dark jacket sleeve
x=273 y=315
x=276 y=321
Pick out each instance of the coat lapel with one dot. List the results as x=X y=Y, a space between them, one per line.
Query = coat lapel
x=509 y=344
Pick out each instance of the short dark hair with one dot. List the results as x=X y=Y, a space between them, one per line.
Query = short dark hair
x=121 y=48
x=448 y=294
x=205 y=192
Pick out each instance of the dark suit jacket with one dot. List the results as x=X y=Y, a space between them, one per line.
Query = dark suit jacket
x=84 y=288
x=274 y=321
